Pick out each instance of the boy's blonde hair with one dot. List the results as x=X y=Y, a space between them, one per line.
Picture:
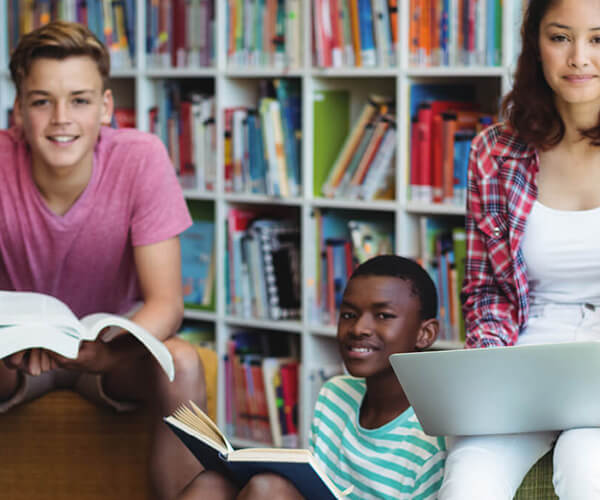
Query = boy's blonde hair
x=58 y=40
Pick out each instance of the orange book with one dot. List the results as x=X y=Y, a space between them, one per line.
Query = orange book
x=425 y=32
x=448 y=131
x=367 y=158
x=338 y=170
x=393 y=10
x=414 y=30
x=355 y=31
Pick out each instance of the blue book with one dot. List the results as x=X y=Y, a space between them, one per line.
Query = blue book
x=212 y=449
x=367 y=41
x=288 y=95
x=462 y=147
x=197 y=246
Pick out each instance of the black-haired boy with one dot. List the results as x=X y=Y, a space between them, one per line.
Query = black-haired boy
x=364 y=432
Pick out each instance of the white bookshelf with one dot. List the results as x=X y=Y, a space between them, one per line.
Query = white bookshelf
x=136 y=88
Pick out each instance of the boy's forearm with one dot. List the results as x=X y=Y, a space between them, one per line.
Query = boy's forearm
x=161 y=318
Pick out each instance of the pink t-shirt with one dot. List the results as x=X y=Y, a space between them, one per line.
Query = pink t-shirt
x=85 y=257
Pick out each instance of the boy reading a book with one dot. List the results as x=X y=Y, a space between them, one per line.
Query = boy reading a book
x=364 y=433
x=91 y=215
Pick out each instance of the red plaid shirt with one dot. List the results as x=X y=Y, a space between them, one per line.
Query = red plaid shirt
x=501 y=193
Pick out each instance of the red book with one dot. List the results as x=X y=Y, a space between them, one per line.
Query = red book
x=289 y=381
x=185 y=139
x=437 y=160
x=125 y=117
x=179 y=34
x=330 y=283
x=425 y=120
x=414 y=159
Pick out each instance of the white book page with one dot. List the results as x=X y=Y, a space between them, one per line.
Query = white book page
x=22 y=308
x=19 y=338
x=95 y=323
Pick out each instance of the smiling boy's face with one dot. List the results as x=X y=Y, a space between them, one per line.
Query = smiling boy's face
x=61 y=106
x=379 y=316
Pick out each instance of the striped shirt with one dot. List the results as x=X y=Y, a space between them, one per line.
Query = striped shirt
x=501 y=193
x=397 y=460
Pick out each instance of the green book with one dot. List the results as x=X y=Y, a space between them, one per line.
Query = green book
x=331 y=119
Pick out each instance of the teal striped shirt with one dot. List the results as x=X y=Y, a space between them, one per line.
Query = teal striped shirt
x=397 y=460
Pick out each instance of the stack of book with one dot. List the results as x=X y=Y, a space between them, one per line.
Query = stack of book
x=264 y=33
x=261 y=385
x=263 y=266
x=452 y=33
x=180 y=33
x=364 y=167
x=344 y=240
x=198 y=263
x=263 y=144
x=443 y=253
x=186 y=124
x=355 y=33
x=112 y=21
x=444 y=120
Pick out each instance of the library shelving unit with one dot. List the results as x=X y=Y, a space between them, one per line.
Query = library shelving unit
x=233 y=86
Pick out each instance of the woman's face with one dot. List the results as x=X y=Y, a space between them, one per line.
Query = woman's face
x=569 y=45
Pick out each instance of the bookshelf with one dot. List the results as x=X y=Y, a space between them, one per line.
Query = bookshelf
x=237 y=85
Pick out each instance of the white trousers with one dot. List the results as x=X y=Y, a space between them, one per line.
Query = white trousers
x=492 y=467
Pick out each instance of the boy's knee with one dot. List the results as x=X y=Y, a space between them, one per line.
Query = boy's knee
x=189 y=381
x=209 y=485
x=187 y=362
x=269 y=485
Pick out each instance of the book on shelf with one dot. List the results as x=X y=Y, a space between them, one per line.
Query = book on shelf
x=210 y=446
x=180 y=33
x=344 y=239
x=443 y=117
x=198 y=333
x=124 y=118
x=452 y=33
x=443 y=250
x=198 y=264
x=354 y=33
x=264 y=33
x=112 y=21
x=328 y=140
x=261 y=386
x=263 y=144
x=185 y=122
x=354 y=159
x=31 y=320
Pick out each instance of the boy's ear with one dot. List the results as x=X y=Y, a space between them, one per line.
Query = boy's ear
x=427 y=333
x=108 y=105
x=17 y=114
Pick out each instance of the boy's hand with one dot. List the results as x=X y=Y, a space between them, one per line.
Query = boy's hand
x=94 y=357
x=32 y=361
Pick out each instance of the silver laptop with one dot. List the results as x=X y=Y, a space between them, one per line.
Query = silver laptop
x=503 y=390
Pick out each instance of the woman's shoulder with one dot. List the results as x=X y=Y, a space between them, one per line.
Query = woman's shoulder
x=500 y=139
x=496 y=142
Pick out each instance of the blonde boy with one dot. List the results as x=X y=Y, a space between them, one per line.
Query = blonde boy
x=92 y=215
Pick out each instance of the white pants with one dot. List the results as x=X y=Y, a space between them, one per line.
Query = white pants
x=492 y=467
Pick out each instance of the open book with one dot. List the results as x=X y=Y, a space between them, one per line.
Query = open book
x=208 y=444
x=30 y=320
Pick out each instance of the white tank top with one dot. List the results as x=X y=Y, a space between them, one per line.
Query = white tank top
x=561 y=249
